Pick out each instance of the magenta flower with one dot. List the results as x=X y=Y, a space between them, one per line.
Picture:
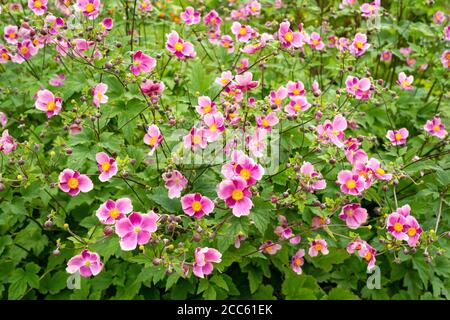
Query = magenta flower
x=3 y=119
x=175 y=182
x=277 y=97
x=73 y=182
x=212 y=20
x=297 y=261
x=369 y=9
x=153 y=89
x=196 y=205
x=267 y=122
x=397 y=226
x=244 y=82
x=243 y=33
x=333 y=131
x=414 y=231
x=244 y=167
x=204 y=257
x=111 y=211
x=242 y=66
x=180 y=48
x=297 y=104
x=145 y=5
x=311 y=179
x=295 y=89
x=89 y=8
x=447 y=32
x=7 y=143
x=386 y=55
x=190 y=16
x=253 y=8
x=25 y=50
x=439 y=17
x=225 y=78
x=107 y=24
x=215 y=126
x=196 y=139
x=353 y=215
x=87 y=263
x=375 y=166
x=205 y=105
x=397 y=137
x=10 y=34
x=364 y=250
x=136 y=229
x=405 y=82
x=269 y=247
x=360 y=89
x=106 y=165
x=236 y=195
x=227 y=42
x=315 y=41
x=5 y=55
x=445 y=59
x=316 y=246
x=142 y=63
x=350 y=183
x=58 y=80
x=38 y=6
x=289 y=38
x=436 y=128
x=359 y=45
x=46 y=101
x=153 y=138
x=99 y=94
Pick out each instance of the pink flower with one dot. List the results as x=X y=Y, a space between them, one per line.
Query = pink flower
x=212 y=19
x=289 y=38
x=346 y=3
x=254 y=8
x=397 y=226
x=89 y=8
x=205 y=105
x=236 y=195
x=10 y=34
x=360 y=89
x=343 y=44
x=237 y=242
x=242 y=66
x=99 y=94
x=350 y=183
x=145 y=5
x=364 y=250
x=87 y=263
x=269 y=247
x=267 y=122
x=253 y=48
x=386 y=55
x=107 y=23
x=204 y=257
x=7 y=143
x=410 y=61
x=136 y=229
x=3 y=119
x=180 y=48
x=315 y=41
x=225 y=78
x=359 y=45
x=215 y=125
x=196 y=139
x=439 y=17
x=244 y=167
x=38 y=6
x=175 y=182
x=190 y=16
x=25 y=50
x=447 y=32
x=46 y=101
x=53 y=24
x=244 y=82
x=311 y=179
x=316 y=246
x=436 y=128
x=277 y=97
x=397 y=137
x=414 y=231
x=377 y=171
x=256 y=143
x=111 y=211
x=406 y=51
x=369 y=9
x=354 y=215
x=297 y=104
x=297 y=261
x=142 y=63
x=153 y=138
x=58 y=80
x=315 y=88
x=106 y=165
x=333 y=131
x=243 y=33
x=152 y=89
x=5 y=55
x=356 y=156
x=445 y=59
x=319 y=222
x=196 y=205
x=227 y=42
x=405 y=82
x=295 y=89
x=73 y=182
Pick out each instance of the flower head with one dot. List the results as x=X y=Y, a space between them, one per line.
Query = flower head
x=136 y=229
x=289 y=38
x=89 y=8
x=38 y=6
x=99 y=94
x=111 y=211
x=269 y=247
x=397 y=137
x=153 y=138
x=73 y=182
x=7 y=143
x=190 y=16
x=87 y=263
x=354 y=215
x=180 y=48
x=204 y=259
x=297 y=261
x=196 y=205
x=436 y=128
x=316 y=246
x=350 y=183
x=405 y=82
x=106 y=165
x=46 y=101
x=142 y=63
x=236 y=195
x=174 y=182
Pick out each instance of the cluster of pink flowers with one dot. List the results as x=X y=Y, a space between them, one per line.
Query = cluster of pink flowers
x=364 y=250
x=250 y=8
x=403 y=226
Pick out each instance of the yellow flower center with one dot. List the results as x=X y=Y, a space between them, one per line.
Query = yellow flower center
x=398 y=136
x=213 y=128
x=137 y=229
x=90 y=7
x=297 y=107
x=38 y=4
x=351 y=184
x=254 y=9
x=368 y=256
x=207 y=109
x=106 y=165
x=398 y=227
x=277 y=100
x=406 y=83
x=296 y=92
x=242 y=31
x=137 y=63
x=226 y=44
x=245 y=174
x=114 y=213
x=318 y=247
x=359 y=44
x=153 y=141
x=380 y=171
x=87 y=263
x=315 y=42
x=196 y=139
x=197 y=206
x=288 y=36
x=51 y=106
x=73 y=183
x=12 y=35
x=265 y=123
x=350 y=212
x=224 y=81
x=298 y=262
x=24 y=50
x=5 y=56
x=269 y=248
x=411 y=232
x=237 y=195
x=436 y=128
x=179 y=46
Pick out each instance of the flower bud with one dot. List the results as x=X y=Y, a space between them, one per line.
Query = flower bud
x=107 y=231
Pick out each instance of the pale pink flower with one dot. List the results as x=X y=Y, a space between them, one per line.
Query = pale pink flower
x=58 y=80
x=196 y=205
x=244 y=82
x=353 y=215
x=38 y=6
x=289 y=38
x=311 y=179
x=89 y=8
x=46 y=101
x=350 y=183
x=404 y=81
x=397 y=226
x=359 y=88
x=295 y=89
x=316 y=246
x=365 y=251
x=333 y=131
x=111 y=211
x=269 y=247
x=277 y=97
x=225 y=78
x=10 y=34
x=445 y=59
x=174 y=182
x=145 y=5
x=196 y=139
x=436 y=128
x=153 y=138
x=243 y=33
x=297 y=261
x=7 y=143
x=397 y=137
x=243 y=166
x=73 y=182
x=106 y=165
x=227 y=42
x=236 y=195
x=87 y=263
x=180 y=48
x=3 y=119
x=369 y=9
x=204 y=259
x=98 y=93
x=136 y=229
x=359 y=45
x=378 y=172
x=267 y=121
x=297 y=104
x=439 y=17
x=315 y=41
x=205 y=105
x=215 y=125
x=190 y=16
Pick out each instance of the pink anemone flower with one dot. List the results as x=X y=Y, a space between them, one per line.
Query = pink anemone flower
x=405 y=82
x=46 y=101
x=89 y=8
x=204 y=258
x=180 y=48
x=196 y=205
x=87 y=263
x=316 y=246
x=106 y=165
x=38 y=6
x=111 y=211
x=153 y=138
x=174 y=182
x=397 y=137
x=236 y=195
x=353 y=215
x=297 y=261
x=99 y=94
x=289 y=38
x=73 y=182
x=436 y=128
x=142 y=63
x=136 y=229
x=350 y=183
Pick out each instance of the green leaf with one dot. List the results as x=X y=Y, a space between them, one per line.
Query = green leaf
x=220 y=282
x=341 y=294
x=159 y=195
x=261 y=214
